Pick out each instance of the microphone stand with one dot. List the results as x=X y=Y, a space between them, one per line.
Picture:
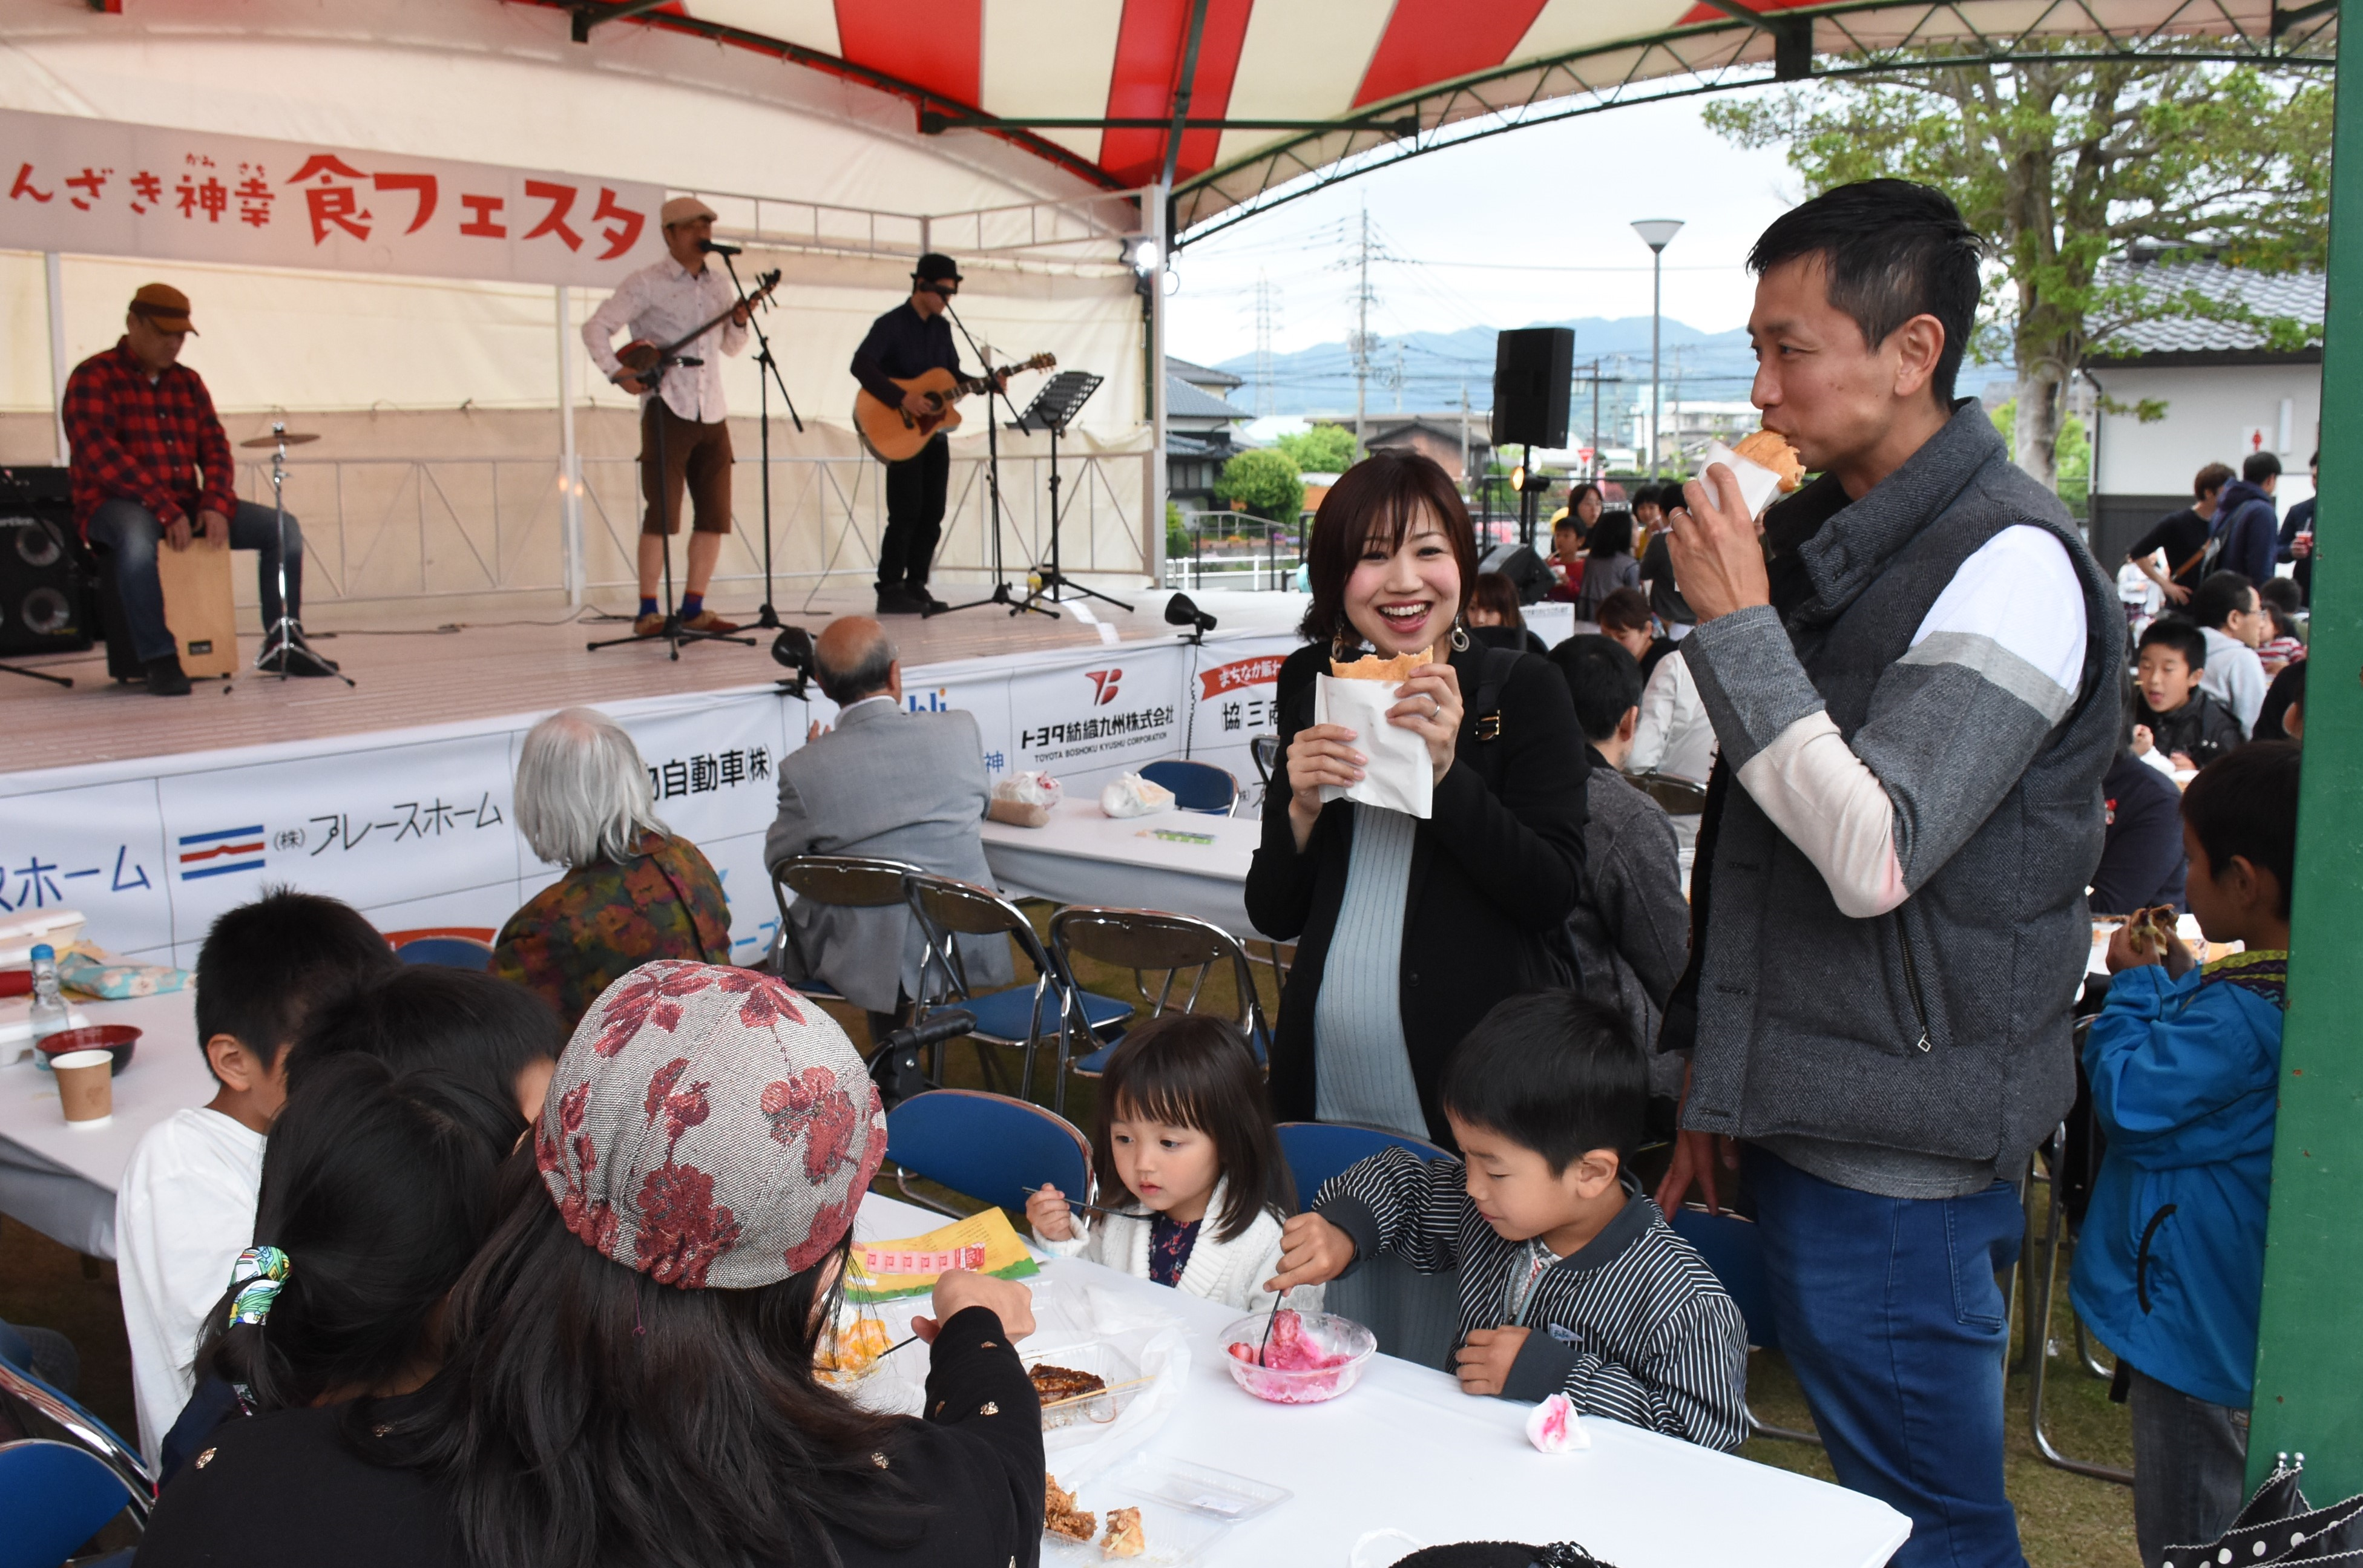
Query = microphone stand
x=764 y=378
x=1000 y=594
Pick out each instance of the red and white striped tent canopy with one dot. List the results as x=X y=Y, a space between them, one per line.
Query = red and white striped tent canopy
x=1269 y=93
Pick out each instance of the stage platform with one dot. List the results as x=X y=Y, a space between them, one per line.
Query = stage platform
x=416 y=668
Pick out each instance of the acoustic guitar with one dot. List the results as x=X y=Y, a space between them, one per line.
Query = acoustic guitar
x=639 y=355
x=893 y=433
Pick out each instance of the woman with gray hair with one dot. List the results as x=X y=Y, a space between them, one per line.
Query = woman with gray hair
x=633 y=892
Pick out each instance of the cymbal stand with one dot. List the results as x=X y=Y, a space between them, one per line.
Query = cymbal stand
x=674 y=633
x=1000 y=593
x=1053 y=409
x=765 y=376
x=280 y=647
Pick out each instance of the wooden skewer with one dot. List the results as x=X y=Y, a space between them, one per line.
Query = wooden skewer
x=1101 y=1393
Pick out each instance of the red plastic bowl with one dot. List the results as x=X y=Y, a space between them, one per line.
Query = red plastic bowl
x=117 y=1038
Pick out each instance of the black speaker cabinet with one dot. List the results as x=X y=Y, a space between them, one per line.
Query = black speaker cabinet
x=1533 y=367
x=1525 y=570
x=41 y=607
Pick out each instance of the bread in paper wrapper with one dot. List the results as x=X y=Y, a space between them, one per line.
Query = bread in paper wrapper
x=1758 y=483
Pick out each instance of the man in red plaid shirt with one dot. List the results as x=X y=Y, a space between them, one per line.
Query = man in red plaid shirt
x=152 y=463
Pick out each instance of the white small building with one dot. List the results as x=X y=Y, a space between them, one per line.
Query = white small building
x=2225 y=395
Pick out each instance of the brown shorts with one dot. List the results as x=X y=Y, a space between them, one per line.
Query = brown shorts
x=697 y=458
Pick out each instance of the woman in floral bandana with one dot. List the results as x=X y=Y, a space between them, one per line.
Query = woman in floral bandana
x=630 y=1375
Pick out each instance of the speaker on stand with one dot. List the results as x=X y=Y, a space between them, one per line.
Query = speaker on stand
x=1534 y=372
x=41 y=580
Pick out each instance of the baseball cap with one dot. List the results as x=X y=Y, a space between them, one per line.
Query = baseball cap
x=709 y=1128
x=685 y=209
x=165 y=306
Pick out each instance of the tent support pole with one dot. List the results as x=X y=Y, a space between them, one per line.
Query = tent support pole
x=569 y=459
x=1158 y=200
x=53 y=272
x=2309 y=1359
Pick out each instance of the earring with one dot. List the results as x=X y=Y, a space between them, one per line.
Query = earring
x=1337 y=645
x=1459 y=637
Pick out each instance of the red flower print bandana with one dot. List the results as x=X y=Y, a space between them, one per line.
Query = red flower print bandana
x=709 y=1127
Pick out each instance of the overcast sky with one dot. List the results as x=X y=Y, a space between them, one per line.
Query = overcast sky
x=1529 y=226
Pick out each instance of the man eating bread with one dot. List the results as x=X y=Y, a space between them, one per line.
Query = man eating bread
x=1912 y=680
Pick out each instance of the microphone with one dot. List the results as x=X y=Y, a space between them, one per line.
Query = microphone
x=712 y=249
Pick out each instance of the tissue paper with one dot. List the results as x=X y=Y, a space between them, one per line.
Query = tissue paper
x=1758 y=484
x=1552 y=1427
x=1399 y=776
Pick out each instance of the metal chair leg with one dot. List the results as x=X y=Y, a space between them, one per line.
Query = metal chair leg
x=2043 y=1283
x=1758 y=1426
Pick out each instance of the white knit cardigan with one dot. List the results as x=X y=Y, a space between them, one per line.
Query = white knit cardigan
x=1232 y=1273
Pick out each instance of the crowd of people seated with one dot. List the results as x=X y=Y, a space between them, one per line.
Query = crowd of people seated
x=441 y=1273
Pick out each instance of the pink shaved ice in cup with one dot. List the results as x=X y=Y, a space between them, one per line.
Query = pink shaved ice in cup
x=1310 y=1356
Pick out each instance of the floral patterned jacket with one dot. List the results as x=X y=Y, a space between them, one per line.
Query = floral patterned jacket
x=585 y=930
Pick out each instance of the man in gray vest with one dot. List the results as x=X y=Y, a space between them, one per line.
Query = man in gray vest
x=1914 y=680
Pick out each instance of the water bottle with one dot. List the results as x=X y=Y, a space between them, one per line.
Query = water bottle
x=48 y=1011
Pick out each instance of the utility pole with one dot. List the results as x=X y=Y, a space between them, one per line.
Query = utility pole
x=1464 y=432
x=1362 y=335
x=1264 y=399
x=1399 y=375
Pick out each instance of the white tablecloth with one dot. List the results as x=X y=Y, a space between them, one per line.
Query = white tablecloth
x=1406 y=1449
x=1085 y=856
x=61 y=1180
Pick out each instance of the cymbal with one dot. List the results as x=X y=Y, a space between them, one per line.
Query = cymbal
x=289 y=439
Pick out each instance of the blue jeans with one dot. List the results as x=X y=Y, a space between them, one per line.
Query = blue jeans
x=1888 y=1313
x=130 y=535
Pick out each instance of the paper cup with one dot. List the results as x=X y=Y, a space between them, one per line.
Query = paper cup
x=85 y=1087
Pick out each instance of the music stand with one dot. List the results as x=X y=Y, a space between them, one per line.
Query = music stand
x=674 y=633
x=1053 y=409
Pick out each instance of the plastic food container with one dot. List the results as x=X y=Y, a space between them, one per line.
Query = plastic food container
x=1327 y=1333
x=1121 y=1375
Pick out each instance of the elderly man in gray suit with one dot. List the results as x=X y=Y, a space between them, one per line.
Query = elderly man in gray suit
x=889 y=785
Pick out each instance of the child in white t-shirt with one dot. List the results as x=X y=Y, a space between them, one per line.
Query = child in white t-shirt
x=186 y=1209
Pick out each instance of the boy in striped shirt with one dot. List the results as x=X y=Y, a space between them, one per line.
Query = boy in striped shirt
x=1571 y=1280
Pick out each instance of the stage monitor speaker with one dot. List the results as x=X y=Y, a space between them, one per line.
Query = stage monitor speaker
x=41 y=604
x=1533 y=367
x=1525 y=570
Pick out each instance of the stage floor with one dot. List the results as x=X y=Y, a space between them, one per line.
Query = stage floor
x=411 y=668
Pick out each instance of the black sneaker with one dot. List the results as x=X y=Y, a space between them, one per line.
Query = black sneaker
x=166 y=678
x=928 y=603
x=897 y=599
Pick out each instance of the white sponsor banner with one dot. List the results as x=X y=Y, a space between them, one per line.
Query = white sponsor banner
x=416 y=828
x=105 y=188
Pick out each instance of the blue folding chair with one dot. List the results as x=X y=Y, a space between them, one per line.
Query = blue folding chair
x=41 y=1411
x=1054 y=1008
x=53 y=1496
x=1733 y=1249
x=1197 y=786
x=986 y=1146
x=1155 y=942
x=1315 y=1151
x=446 y=952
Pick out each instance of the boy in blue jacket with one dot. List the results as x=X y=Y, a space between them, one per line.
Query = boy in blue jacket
x=2185 y=1063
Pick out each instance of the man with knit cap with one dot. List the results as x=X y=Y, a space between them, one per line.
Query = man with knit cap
x=151 y=466
x=685 y=424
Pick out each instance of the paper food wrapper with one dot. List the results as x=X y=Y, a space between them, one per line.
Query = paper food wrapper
x=986 y=1243
x=1758 y=484
x=1399 y=776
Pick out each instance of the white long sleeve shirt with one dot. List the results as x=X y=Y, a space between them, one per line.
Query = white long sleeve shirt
x=1674 y=735
x=661 y=301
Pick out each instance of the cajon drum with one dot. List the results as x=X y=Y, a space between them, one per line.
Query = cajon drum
x=198 y=606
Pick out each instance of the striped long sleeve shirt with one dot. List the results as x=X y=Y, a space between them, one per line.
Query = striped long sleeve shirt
x=1634 y=1325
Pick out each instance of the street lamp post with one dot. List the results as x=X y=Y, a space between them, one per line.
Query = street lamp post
x=1657 y=234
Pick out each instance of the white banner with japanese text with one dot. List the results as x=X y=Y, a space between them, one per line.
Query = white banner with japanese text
x=98 y=187
x=416 y=828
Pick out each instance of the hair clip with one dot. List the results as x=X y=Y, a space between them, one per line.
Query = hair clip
x=257 y=1278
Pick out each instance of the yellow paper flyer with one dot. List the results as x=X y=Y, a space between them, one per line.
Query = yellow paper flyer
x=887 y=1271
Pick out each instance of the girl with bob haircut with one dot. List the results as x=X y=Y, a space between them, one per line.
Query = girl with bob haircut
x=1409 y=931
x=1185 y=1130
x=1609 y=562
x=632 y=890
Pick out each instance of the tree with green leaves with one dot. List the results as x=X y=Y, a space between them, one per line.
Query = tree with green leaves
x=2062 y=164
x=1265 y=482
x=1323 y=449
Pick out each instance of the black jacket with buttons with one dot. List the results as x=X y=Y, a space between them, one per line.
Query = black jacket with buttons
x=1494 y=873
x=288 y=1489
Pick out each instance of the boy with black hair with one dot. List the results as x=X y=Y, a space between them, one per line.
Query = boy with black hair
x=1632 y=928
x=1571 y=1280
x=2231 y=617
x=500 y=1039
x=186 y=1209
x=2176 y=716
x=2185 y=1064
